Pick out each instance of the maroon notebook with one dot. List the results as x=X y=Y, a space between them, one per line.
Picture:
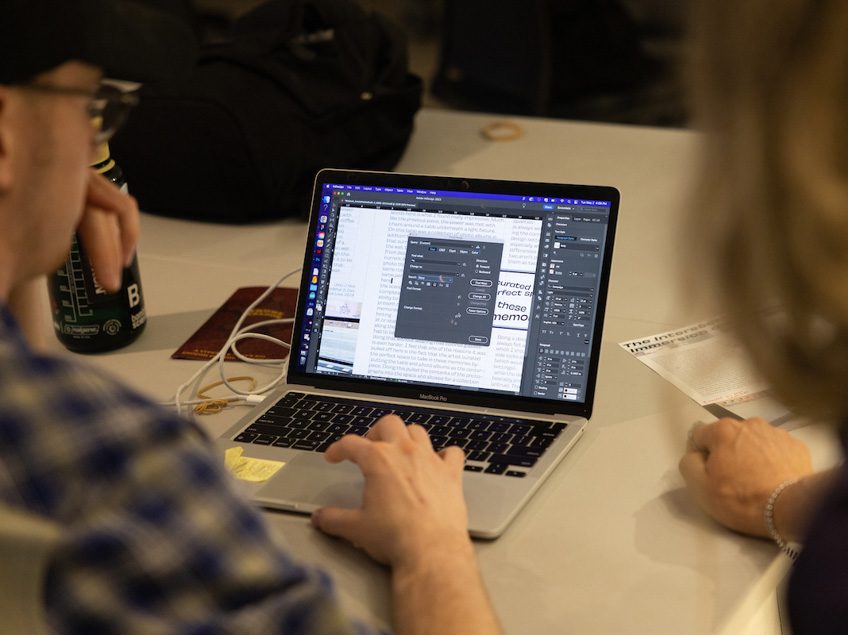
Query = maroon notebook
x=212 y=335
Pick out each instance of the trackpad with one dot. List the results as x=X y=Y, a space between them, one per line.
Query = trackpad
x=308 y=481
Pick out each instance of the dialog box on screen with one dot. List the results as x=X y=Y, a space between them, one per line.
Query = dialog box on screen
x=449 y=290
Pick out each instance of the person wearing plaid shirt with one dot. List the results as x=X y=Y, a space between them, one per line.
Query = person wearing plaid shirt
x=155 y=536
x=139 y=554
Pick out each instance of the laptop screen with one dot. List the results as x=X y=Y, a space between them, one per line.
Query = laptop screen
x=450 y=287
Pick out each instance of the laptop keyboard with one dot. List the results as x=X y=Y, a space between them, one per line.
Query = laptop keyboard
x=493 y=445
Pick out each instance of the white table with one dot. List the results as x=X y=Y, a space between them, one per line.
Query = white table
x=612 y=543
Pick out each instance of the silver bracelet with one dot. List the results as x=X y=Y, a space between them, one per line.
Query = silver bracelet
x=768 y=516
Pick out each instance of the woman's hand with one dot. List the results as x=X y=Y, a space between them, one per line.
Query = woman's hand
x=731 y=468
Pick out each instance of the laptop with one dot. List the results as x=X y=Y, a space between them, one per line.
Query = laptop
x=471 y=307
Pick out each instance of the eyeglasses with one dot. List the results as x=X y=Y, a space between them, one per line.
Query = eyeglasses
x=108 y=105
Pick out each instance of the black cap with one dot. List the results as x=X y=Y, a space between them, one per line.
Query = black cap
x=127 y=39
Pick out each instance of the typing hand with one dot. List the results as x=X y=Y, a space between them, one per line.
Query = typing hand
x=412 y=503
x=108 y=230
x=732 y=466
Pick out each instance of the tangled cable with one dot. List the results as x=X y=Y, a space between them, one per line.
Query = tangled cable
x=204 y=404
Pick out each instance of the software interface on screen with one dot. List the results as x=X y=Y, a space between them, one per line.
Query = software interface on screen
x=477 y=291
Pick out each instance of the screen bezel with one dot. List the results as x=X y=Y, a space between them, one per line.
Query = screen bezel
x=449 y=395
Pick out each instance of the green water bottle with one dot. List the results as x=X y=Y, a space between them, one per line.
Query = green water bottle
x=87 y=318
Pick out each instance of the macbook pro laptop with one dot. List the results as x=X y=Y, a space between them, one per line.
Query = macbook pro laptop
x=471 y=307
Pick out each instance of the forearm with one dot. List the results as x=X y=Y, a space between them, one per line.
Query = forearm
x=443 y=594
x=797 y=504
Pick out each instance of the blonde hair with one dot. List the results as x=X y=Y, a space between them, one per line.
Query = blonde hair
x=770 y=90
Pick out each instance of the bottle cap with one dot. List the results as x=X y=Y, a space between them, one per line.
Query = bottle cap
x=103 y=161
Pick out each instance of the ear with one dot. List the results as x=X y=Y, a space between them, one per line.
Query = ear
x=6 y=135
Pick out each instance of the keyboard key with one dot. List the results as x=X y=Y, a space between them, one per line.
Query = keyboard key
x=360 y=430
x=272 y=419
x=319 y=436
x=245 y=437
x=439 y=430
x=516 y=473
x=440 y=420
x=520 y=450
x=343 y=418
x=290 y=399
x=498 y=448
x=543 y=442
x=380 y=412
x=361 y=410
x=440 y=442
x=496 y=468
x=323 y=406
x=512 y=459
x=264 y=439
x=480 y=435
x=477 y=424
x=460 y=443
x=284 y=443
x=363 y=421
x=280 y=413
x=343 y=408
x=538 y=423
x=323 y=416
x=304 y=415
x=478 y=455
x=501 y=437
x=473 y=468
x=338 y=428
x=299 y=433
x=306 y=444
x=500 y=426
x=418 y=417
x=317 y=425
x=262 y=428
x=521 y=429
x=476 y=444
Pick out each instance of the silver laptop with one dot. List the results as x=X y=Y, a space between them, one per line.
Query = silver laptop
x=471 y=307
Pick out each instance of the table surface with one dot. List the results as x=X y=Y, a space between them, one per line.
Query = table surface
x=611 y=543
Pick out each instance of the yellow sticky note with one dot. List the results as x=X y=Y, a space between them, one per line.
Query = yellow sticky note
x=248 y=469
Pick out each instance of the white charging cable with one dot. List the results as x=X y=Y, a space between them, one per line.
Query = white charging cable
x=239 y=333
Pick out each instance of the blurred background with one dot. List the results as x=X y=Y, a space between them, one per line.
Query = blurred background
x=599 y=60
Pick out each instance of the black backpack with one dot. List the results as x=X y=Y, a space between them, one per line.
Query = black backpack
x=298 y=86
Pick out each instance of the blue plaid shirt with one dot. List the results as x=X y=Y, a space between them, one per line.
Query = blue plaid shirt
x=155 y=537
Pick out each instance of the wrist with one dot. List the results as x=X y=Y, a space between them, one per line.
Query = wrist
x=777 y=518
x=435 y=560
x=441 y=591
